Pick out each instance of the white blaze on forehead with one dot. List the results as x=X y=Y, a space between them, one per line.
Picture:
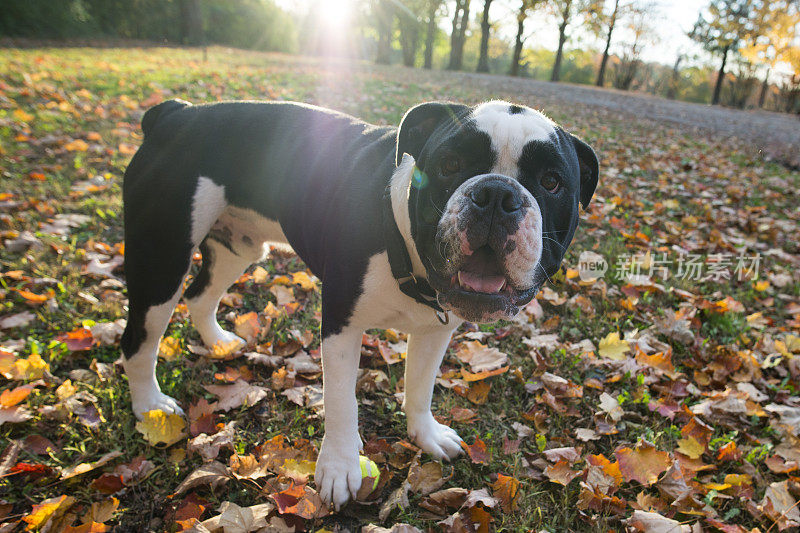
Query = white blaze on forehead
x=511 y=132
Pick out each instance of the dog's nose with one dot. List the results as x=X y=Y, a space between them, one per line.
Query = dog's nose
x=494 y=195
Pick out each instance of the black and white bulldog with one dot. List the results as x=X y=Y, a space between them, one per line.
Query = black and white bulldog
x=461 y=213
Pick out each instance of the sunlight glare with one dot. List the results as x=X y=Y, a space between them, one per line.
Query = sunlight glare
x=336 y=14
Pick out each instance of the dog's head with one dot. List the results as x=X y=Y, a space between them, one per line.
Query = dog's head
x=488 y=198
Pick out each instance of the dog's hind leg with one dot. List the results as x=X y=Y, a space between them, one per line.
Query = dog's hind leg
x=154 y=286
x=221 y=268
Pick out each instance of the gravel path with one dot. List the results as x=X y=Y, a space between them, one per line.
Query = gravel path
x=775 y=133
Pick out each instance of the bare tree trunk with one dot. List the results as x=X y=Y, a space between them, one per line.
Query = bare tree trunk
x=431 y=32
x=454 y=34
x=720 y=77
x=562 y=37
x=762 y=96
x=672 y=89
x=601 y=74
x=483 y=61
x=191 y=22
x=518 y=41
x=462 y=31
x=409 y=39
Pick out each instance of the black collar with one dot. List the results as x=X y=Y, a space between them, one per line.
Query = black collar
x=400 y=262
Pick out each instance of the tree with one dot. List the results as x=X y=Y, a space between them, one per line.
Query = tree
x=720 y=31
x=772 y=37
x=458 y=34
x=602 y=23
x=565 y=11
x=430 y=36
x=638 y=22
x=384 y=18
x=483 y=61
x=191 y=22
x=525 y=7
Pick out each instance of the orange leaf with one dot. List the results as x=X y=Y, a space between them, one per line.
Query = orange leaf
x=505 y=489
x=77 y=145
x=78 y=340
x=643 y=464
x=477 y=451
x=10 y=398
x=479 y=392
x=32 y=297
x=469 y=376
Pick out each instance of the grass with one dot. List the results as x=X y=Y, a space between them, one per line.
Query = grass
x=645 y=166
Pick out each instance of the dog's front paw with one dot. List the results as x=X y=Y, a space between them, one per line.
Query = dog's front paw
x=152 y=401
x=338 y=473
x=440 y=441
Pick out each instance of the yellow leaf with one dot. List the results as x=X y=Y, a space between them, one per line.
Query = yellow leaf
x=690 y=447
x=304 y=280
x=612 y=347
x=33 y=367
x=160 y=428
x=761 y=286
x=224 y=350
x=65 y=390
x=47 y=510
x=717 y=486
x=169 y=348
x=22 y=115
x=738 y=479
x=260 y=275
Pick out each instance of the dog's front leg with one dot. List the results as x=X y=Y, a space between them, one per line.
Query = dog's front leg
x=426 y=348
x=338 y=473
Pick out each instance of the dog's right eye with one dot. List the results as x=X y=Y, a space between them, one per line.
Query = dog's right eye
x=450 y=165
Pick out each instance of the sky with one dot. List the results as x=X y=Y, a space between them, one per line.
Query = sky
x=675 y=19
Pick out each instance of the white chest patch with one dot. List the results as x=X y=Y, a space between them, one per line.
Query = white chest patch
x=511 y=132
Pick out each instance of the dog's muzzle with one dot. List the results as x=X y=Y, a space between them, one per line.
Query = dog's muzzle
x=490 y=243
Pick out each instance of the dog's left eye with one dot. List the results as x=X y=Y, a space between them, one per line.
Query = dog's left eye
x=450 y=165
x=550 y=183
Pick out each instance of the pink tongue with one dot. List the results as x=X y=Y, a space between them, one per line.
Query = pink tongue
x=479 y=283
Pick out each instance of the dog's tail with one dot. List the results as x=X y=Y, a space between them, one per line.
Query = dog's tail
x=154 y=114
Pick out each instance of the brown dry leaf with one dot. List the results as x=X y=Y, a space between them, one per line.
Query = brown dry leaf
x=160 y=428
x=561 y=473
x=602 y=476
x=239 y=394
x=14 y=414
x=88 y=467
x=645 y=522
x=100 y=512
x=481 y=358
x=425 y=478
x=300 y=500
x=235 y=519
x=283 y=295
x=212 y=474
x=643 y=464
x=208 y=446
x=779 y=505
x=506 y=490
x=202 y=418
x=247 y=467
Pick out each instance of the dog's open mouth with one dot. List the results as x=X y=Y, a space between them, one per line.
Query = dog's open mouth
x=479 y=291
x=481 y=273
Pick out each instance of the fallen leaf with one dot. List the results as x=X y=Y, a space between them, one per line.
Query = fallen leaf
x=160 y=428
x=477 y=451
x=236 y=395
x=481 y=358
x=612 y=347
x=212 y=474
x=506 y=490
x=643 y=464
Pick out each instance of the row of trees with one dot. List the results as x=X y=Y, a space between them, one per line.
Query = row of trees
x=757 y=35
x=751 y=39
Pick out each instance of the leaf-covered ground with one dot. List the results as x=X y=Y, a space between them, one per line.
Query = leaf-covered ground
x=663 y=394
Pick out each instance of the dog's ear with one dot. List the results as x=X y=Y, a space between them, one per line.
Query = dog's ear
x=590 y=169
x=419 y=123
